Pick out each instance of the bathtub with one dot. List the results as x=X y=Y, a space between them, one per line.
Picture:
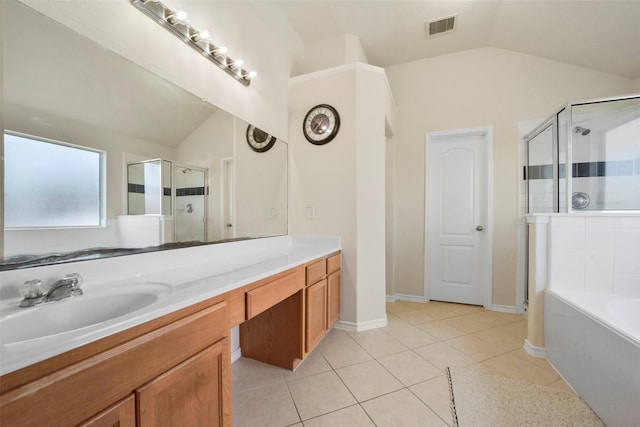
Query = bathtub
x=593 y=341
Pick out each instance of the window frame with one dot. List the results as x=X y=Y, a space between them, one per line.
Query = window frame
x=102 y=223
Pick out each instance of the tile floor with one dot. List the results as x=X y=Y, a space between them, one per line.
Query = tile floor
x=392 y=376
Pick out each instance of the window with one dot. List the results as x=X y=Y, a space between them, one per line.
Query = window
x=52 y=184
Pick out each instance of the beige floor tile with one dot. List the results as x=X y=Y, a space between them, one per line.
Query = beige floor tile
x=441 y=330
x=353 y=416
x=399 y=409
x=516 y=329
x=562 y=385
x=249 y=374
x=378 y=343
x=540 y=361
x=415 y=317
x=464 y=308
x=313 y=364
x=443 y=355
x=476 y=348
x=340 y=350
x=396 y=307
x=475 y=322
x=367 y=380
x=320 y=394
x=267 y=406
x=517 y=368
x=409 y=335
x=410 y=368
x=500 y=338
x=396 y=386
x=480 y=368
x=435 y=394
x=438 y=311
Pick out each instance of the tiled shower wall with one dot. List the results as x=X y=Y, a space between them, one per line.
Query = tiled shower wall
x=595 y=253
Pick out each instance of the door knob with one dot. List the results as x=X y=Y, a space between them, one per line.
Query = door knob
x=479 y=228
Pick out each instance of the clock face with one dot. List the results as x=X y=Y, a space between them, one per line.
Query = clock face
x=259 y=140
x=321 y=124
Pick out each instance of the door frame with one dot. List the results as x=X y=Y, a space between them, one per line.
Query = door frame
x=487 y=133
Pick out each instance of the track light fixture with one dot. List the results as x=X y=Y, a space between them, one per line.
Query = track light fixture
x=177 y=23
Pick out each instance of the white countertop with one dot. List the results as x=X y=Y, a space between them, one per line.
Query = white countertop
x=196 y=274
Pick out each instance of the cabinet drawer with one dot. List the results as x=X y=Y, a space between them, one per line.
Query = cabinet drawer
x=266 y=296
x=316 y=271
x=333 y=263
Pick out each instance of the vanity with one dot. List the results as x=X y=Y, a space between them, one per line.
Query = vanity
x=169 y=362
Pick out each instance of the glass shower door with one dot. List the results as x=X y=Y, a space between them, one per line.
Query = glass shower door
x=540 y=173
x=190 y=204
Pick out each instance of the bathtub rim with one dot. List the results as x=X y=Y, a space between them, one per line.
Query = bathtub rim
x=596 y=313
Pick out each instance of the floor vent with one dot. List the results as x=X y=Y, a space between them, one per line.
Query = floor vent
x=440 y=26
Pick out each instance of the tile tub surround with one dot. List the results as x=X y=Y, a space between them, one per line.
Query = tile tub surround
x=196 y=273
x=597 y=253
x=390 y=376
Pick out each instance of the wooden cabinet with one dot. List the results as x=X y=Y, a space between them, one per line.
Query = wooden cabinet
x=188 y=395
x=176 y=370
x=97 y=390
x=122 y=414
x=316 y=314
x=322 y=299
x=273 y=330
x=333 y=299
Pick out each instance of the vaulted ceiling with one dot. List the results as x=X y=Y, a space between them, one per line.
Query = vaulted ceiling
x=602 y=35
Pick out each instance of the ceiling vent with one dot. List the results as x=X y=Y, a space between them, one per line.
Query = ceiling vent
x=440 y=26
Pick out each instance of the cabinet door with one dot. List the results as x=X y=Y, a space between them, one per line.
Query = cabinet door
x=316 y=314
x=122 y=414
x=188 y=395
x=333 y=298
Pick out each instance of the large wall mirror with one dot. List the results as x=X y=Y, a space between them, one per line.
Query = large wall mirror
x=62 y=88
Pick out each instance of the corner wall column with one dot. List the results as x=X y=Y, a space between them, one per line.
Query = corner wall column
x=537 y=282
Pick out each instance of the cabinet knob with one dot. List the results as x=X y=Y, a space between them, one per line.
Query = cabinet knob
x=479 y=228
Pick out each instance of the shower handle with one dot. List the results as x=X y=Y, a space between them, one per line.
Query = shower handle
x=479 y=228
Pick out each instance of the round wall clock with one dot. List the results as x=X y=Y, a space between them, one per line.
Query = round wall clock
x=321 y=124
x=259 y=140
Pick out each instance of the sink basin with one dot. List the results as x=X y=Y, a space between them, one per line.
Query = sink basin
x=94 y=307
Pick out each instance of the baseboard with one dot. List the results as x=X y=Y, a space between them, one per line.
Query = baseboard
x=391 y=298
x=516 y=309
x=361 y=326
x=236 y=354
x=405 y=297
x=534 y=350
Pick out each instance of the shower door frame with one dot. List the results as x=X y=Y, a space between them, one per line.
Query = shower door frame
x=174 y=189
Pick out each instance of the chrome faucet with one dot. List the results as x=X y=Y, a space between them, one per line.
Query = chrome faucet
x=34 y=293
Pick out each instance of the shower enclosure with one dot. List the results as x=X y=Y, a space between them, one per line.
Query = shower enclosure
x=585 y=157
x=176 y=193
x=190 y=205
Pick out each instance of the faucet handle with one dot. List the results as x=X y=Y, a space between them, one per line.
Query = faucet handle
x=77 y=279
x=33 y=289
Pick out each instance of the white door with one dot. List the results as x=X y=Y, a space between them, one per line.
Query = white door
x=457 y=250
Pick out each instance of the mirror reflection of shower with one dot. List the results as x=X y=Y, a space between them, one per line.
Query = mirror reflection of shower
x=190 y=203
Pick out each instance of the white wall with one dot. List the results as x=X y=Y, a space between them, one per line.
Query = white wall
x=344 y=181
x=478 y=87
x=331 y=52
x=261 y=188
